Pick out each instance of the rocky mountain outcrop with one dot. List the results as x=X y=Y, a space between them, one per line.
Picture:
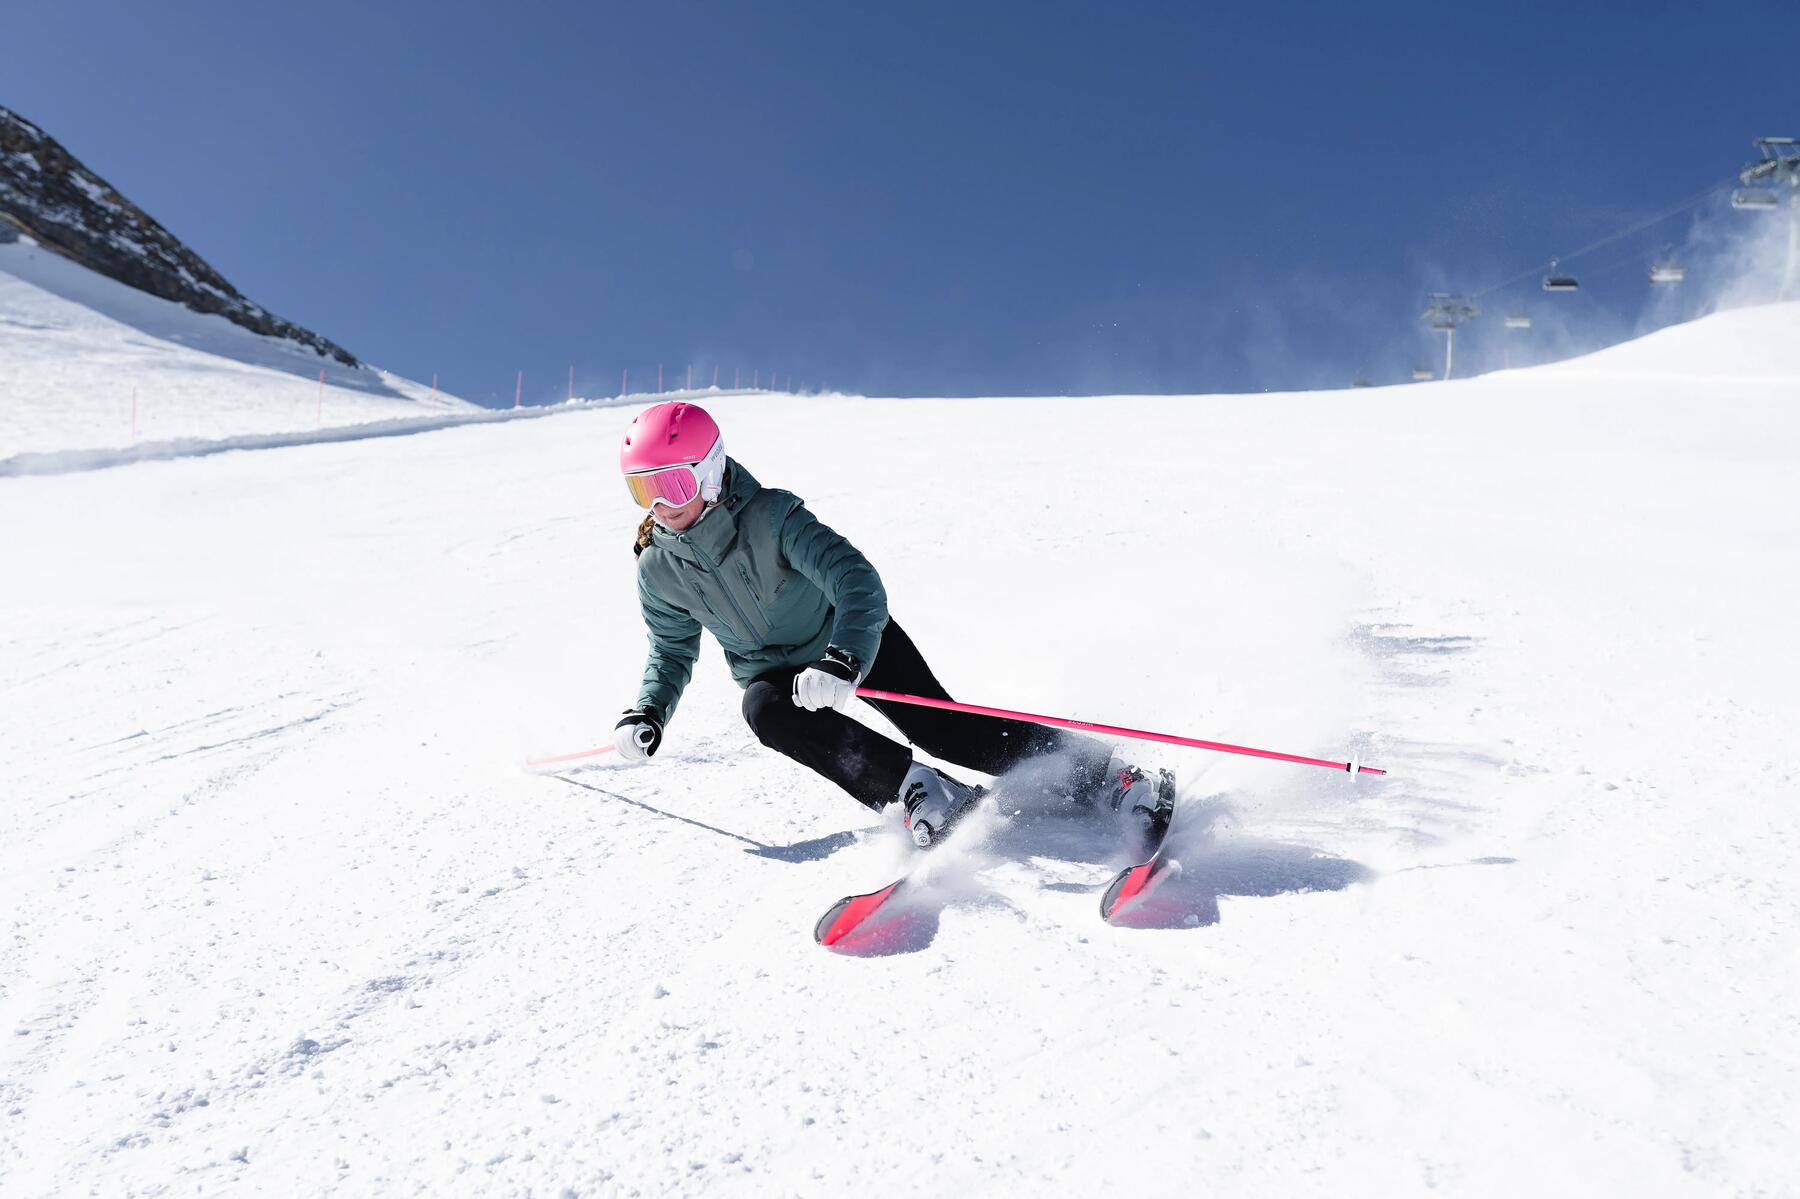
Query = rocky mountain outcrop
x=47 y=194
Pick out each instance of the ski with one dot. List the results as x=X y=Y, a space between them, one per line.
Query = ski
x=849 y=913
x=1133 y=883
x=854 y=913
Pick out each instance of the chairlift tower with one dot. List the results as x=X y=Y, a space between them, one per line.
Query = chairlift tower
x=1780 y=164
x=1444 y=313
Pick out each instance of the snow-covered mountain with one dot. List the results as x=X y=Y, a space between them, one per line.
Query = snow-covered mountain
x=113 y=332
x=50 y=196
x=282 y=913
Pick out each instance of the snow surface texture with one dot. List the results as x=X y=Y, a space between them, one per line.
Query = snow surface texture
x=283 y=913
x=74 y=345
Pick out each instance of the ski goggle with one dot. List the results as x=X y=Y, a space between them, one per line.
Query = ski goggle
x=672 y=485
x=679 y=484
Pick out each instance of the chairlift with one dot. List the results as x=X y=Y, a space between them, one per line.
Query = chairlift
x=1757 y=198
x=1667 y=272
x=1560 y=282
x=1423 y=374
x=1518 y=320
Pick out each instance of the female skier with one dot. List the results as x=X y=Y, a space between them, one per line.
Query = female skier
x=803 y=619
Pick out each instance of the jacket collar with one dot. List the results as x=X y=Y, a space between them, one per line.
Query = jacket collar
x=711 y=537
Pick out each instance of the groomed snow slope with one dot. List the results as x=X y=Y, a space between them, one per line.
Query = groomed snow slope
x=74 y=345
x=1745 y=343
x=282 y=913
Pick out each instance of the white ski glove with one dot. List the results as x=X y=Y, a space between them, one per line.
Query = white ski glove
x=637 y=735
x=828 y=683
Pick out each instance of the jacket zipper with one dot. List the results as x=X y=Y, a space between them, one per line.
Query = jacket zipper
x=713 y=568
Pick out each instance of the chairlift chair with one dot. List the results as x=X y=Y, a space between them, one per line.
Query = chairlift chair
x=1518 y=320
x=1667 y=272
x=1555 y=281
x=1755 y=198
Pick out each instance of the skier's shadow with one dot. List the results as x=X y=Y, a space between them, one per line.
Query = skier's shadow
x=816 y=849
x=1187 y=896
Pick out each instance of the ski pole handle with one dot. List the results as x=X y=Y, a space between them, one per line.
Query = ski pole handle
x=1353 y=767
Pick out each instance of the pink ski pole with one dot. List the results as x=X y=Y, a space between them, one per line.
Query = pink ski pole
x=586 y=753
x=1353 y=766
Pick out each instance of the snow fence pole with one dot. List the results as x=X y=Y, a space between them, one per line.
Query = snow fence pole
x=1353 y=766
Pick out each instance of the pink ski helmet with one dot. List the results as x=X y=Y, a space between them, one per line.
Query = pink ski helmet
x=672 y=453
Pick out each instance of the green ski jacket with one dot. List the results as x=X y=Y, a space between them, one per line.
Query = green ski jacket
x=775 y=586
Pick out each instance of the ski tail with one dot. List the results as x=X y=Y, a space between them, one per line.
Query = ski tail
x=848 y=914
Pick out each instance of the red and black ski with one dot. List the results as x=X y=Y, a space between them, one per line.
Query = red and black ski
x=869 y=913
x=851 y=912
x=1132 y=884
x=859 y=912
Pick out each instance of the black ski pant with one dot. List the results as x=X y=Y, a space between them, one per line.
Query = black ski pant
x=870 y=766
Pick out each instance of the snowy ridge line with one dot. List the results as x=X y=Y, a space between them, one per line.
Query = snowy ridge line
x=63 y=462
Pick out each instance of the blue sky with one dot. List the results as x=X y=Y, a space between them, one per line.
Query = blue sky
x=905 y=199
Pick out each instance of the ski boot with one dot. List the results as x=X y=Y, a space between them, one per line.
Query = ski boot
x=1142 y=802
x=934 y=802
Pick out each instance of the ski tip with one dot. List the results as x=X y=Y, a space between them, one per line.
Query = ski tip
x=1126 y=885
x=847 y=914
x=826 y=931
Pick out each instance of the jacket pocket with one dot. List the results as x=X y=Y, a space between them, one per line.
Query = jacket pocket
x=712 y=610
x=756 y=600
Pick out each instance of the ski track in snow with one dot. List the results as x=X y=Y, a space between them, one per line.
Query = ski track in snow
x=281 y=911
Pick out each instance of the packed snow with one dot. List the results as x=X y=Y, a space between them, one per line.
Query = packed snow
x=87 y=363
x=284 y=912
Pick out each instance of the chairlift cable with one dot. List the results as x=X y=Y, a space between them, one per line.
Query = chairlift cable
x=1635 y=258
x=1655 y=220
x=1692 y=201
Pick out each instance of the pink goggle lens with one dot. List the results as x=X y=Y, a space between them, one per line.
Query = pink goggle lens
x=674 y=486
